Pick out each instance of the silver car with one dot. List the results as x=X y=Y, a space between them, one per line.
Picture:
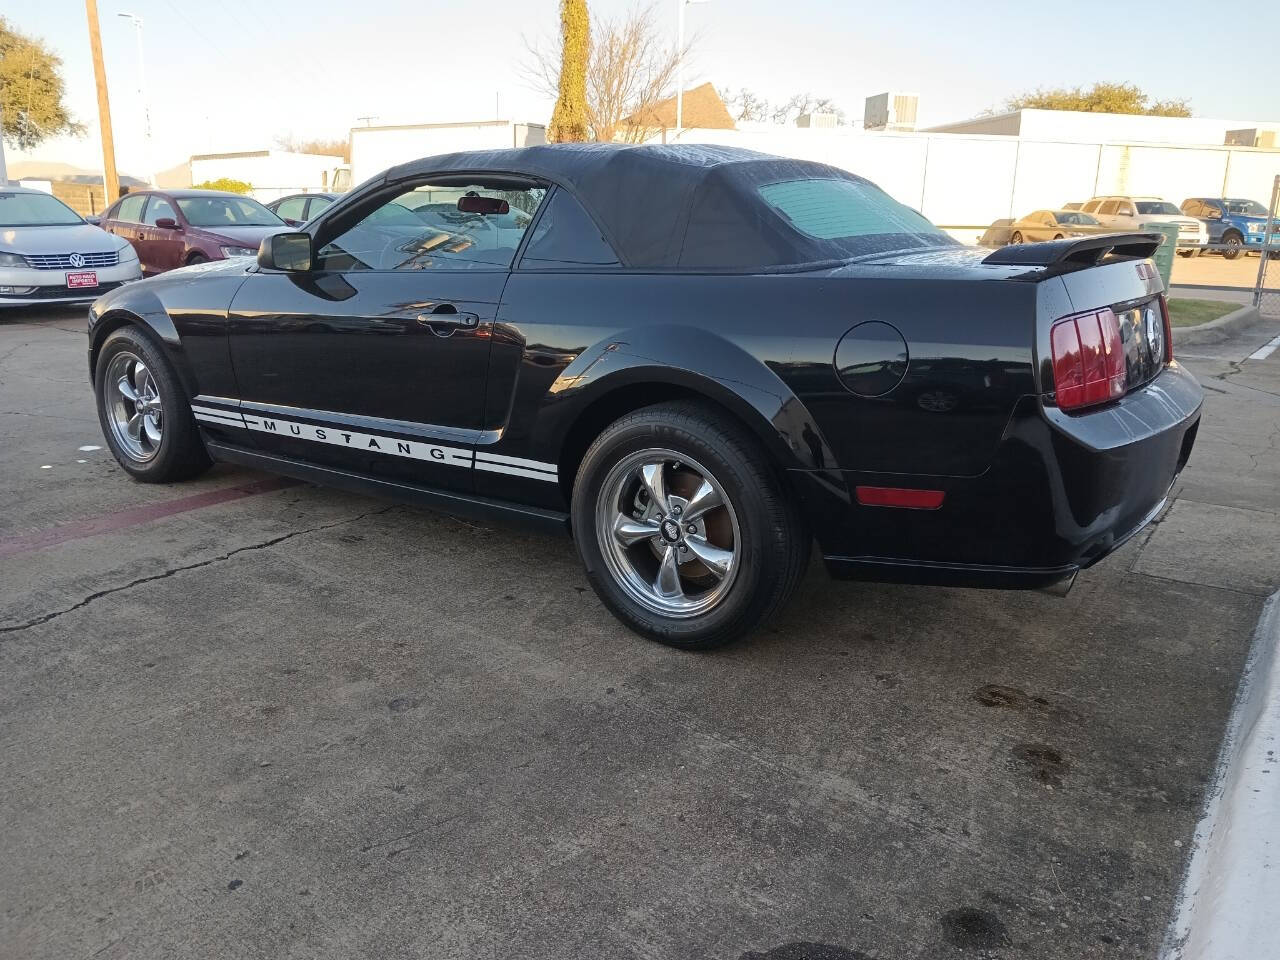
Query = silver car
x=50 y=255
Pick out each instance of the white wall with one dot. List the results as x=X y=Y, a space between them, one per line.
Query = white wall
x=964 y=182
x=374 y=149
x=1083 y=127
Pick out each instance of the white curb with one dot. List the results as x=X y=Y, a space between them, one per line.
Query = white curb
x=1229 y=908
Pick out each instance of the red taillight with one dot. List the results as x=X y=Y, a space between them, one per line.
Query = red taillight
x=1088 y=360
x=1168 y=330
x=907 y=497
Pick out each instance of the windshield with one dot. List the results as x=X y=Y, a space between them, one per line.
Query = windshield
x=1076 y=218
x=35 y=210
x=1247 y=208
x=1161 y=207
x=226 y=212
x=858 y=216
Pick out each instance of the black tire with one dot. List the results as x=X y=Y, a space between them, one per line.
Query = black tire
x=180 y=454
x=1235 y=245
x=772 y=545
x=1058 y=236
x=197 y=258
x=1015 y=237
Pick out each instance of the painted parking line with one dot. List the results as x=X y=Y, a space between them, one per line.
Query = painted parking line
x=124 y=519
x=1265 y=350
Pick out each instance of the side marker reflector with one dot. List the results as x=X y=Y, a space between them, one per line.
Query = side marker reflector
x=899 y=497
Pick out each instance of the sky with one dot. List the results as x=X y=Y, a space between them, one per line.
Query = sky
x=234 y=74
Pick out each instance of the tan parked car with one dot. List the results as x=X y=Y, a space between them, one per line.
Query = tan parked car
x=1053 y=225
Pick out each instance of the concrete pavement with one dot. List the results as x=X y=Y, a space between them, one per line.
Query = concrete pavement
x=289 y=722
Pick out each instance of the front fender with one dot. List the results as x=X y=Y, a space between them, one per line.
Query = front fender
x=698 y=361
x=139 y=306
x=186 y=312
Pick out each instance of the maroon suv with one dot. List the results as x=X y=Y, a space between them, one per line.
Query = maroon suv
x=173 y=228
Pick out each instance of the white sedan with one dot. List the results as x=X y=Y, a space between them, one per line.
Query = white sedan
x=50 y=255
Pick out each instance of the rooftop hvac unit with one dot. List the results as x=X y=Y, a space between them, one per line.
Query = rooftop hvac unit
x=816 y=120
x=891 y=111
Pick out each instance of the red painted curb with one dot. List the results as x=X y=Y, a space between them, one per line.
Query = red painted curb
x=122 y=520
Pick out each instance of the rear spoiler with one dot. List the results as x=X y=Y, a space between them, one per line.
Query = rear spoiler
x=1082 y=251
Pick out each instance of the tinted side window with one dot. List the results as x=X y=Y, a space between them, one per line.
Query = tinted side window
x=318 y=204
x=437 y=227
x=566 y=237
x=157 y=208
x=130 y=209
x=291 y=209
x=1108 y=207
x=1091 y=206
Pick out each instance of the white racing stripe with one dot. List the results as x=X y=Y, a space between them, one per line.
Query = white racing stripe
x=536 y=465
x=379 y=443
x=515 y=471
x=394 y=446
x=1266 y=350
x=227 y=418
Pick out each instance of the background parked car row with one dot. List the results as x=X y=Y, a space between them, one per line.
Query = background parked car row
x=181 y=227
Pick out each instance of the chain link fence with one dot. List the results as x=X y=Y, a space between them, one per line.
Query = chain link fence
x=1266 y=294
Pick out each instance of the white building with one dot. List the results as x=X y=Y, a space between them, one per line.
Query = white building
x=963 y=182
x=374 y=149
x=1080 y=127
x=271 y=173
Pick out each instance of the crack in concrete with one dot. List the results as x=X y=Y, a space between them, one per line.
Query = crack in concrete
x=98 y=595
x=1237 y=366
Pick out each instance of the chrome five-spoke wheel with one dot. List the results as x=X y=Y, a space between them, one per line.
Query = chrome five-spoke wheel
x=668 y=533
x=133 y=406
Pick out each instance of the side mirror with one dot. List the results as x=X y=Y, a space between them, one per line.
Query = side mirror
x=290 y=252
x=166 y=223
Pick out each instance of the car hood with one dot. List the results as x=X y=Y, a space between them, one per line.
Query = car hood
x=1168 y=218
x=74 y=238
x=242 y=236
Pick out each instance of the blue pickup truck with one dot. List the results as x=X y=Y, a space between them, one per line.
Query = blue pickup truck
x=1237 y=224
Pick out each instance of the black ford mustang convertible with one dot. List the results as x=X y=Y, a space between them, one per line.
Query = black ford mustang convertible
x=693 y=358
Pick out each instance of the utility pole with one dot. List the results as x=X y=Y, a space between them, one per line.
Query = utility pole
x=680 y=5
x=142 y=95
x=110 y=181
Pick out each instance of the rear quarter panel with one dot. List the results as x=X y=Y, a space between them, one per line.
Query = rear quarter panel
x=769 y=341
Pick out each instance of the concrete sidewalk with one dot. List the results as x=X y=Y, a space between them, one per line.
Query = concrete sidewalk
x=297 y=723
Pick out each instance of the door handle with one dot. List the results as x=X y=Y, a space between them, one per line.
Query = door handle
x=447 y=315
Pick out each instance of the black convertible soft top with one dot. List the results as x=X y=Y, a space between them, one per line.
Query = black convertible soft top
x=675 y=205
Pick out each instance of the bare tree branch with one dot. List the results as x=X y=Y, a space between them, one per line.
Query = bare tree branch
x=631 y=70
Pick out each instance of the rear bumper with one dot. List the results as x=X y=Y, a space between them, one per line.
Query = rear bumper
x=1062 y=493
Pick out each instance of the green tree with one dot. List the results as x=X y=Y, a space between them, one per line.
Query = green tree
x=31 y=91
x=569 y=118
x=1102 y=97
x=224 y=183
